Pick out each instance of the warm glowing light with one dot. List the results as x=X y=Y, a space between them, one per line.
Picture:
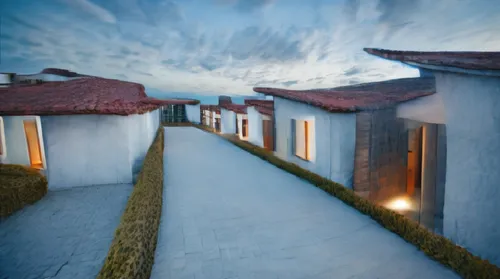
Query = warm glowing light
x=399 y=204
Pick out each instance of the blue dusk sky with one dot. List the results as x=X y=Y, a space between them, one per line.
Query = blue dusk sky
x=212 y=47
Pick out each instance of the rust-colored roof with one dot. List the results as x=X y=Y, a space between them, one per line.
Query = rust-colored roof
x=364 y=96
x=469 y=60
x=89 y=95
x=165 y=102
x=241 y=109
x=265 y=107
x=60 y=72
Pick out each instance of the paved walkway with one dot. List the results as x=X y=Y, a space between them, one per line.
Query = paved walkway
x=228 y=214
x=66 y=235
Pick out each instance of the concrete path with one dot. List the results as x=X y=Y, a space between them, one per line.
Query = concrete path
x=66 y=235
x=228 y=214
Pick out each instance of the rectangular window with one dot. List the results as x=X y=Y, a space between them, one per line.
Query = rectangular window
x=33 y=141
x=301 y=138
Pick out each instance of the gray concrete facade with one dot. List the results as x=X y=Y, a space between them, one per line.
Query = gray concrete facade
x=472 y=192
x=229 y=214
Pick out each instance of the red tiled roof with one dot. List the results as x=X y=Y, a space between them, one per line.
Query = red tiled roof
x=165 y=102
x=469 y=60
x=90 y=95
x=265 y=107
x=241 y=109
x=365 y=96
x=60 y=72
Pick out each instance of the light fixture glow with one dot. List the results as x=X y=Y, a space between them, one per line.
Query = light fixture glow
x=399 y=204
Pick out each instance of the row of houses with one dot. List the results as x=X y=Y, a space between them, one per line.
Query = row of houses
x=428 y=147
x=252 y=121
x=81 y=130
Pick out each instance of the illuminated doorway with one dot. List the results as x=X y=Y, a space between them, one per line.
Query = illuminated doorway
x=33 y=143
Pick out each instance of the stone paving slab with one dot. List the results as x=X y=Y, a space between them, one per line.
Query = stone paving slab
x=228 y=214
x=66 y=235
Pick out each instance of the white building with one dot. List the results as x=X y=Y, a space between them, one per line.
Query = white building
x=88 y=131
x=234 y=120
x=260 y=123
x=468 y=96
x=355 y=135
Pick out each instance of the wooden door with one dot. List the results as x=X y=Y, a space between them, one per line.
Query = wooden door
x=267 y=133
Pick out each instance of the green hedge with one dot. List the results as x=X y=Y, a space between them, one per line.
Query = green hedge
x=19 y=186
x=435 y=246
x=131 y=254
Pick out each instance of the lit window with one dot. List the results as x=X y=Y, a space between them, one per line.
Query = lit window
x=301 y=134
x=33 y=141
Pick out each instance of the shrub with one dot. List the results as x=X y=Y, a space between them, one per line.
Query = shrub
x=435 y=246
x=19 y=186
x=131 y=254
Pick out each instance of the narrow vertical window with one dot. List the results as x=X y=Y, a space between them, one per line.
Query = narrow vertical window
x=301 y=131
x=33 y=141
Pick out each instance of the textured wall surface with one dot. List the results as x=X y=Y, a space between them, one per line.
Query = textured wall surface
x=255 y=127
x=429 y=109
x=333 y=142
x=472 y=191
x=85 y=150
x=228 y=121
x=193 y=113
x=142 y=130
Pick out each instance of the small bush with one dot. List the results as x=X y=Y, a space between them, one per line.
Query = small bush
x=435 y=246
x=19 y=186
x=131 y=254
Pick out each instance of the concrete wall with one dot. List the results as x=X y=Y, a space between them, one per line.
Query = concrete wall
x=472 y=192
x=429 y=109
x=193 y=113
x=142 y=130
x=87 y=150
x=333 y=144
x=228 y=121
x=255 y=135
x=15 y=140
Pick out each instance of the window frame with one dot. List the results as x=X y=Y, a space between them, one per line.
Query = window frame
x=307 y=141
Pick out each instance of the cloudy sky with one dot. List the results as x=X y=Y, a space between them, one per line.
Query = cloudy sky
x=229 y=46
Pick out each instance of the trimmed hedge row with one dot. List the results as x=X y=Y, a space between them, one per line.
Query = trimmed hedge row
x=131 y=254
x=435 y=246
x=19 y=186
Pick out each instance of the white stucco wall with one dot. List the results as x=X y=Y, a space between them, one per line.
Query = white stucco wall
x=85 y=150
x=333 y=145
x=255 y=135
x=239 y=119
x=142 y=130
x=429 y=109
x=15 y=140
x=228 y=121
x=472 y=194
x=193 y=113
